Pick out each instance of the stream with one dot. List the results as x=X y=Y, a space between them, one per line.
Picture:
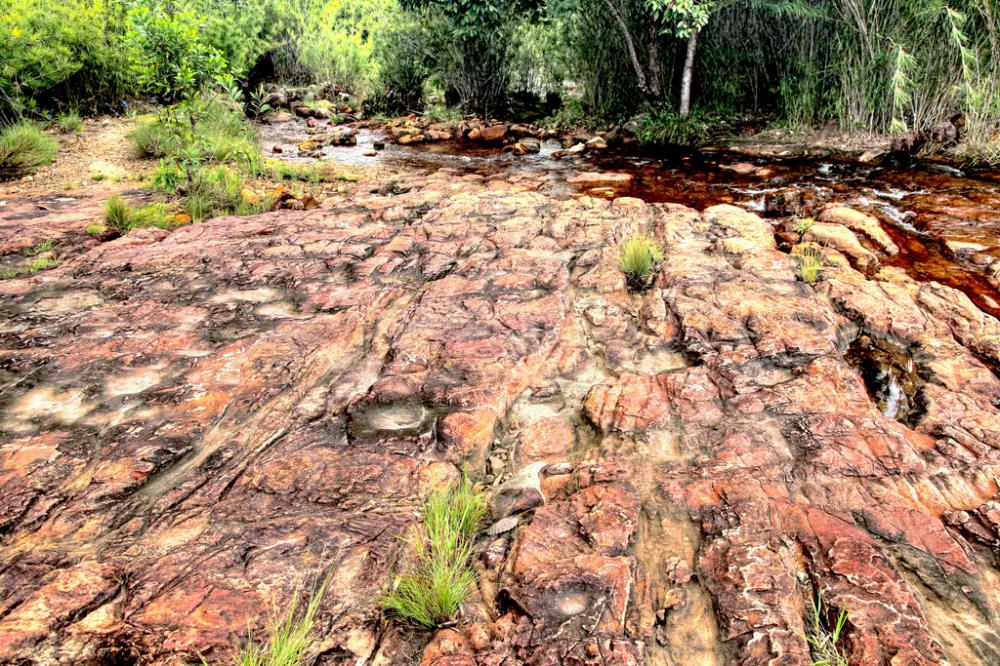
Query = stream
x=945 y=222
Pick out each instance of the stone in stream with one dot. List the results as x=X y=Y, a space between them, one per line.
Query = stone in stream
x=197 y=421
x=595 y=179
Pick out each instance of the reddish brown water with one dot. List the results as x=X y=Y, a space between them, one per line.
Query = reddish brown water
x=945 y=222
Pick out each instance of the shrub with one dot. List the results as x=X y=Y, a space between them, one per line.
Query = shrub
x=431 y=593
x=166 y=53
x=639 y=258
x=221 y=134
x=69 y=122
x=24 y=148
x=668 y=128
x=119 y=215
x=58 y=52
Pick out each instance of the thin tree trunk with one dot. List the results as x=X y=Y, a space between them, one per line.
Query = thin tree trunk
x=655 y=73
x=688 y=74
x=630 y=44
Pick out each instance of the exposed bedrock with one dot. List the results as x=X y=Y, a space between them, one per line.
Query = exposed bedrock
x=194 y=423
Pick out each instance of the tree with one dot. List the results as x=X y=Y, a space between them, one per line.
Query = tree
x=685 y=19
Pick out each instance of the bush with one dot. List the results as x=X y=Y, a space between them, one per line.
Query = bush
x=58 y=52
x=167 y=55
x=69 y=122
x=432 y=592
x=24 y=148
x=221 y=134
x=668 y=128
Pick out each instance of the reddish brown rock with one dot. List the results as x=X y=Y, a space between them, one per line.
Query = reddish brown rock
x=594 y=179
x=194 y=420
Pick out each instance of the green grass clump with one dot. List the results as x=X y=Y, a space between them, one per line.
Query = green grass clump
x=823 y=641
x=309 y=173
x=290 y=640
x=432 y=591
x=639 y=258
x=810 y=265
x=96 y=229
x=219 y=191
x=32 y=263
x=123 y=217
x=69 y=122
x=803 y=226
x=668 y=128
x=24 y=148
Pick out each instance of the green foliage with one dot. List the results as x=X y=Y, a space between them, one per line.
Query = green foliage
x=167 y=55
x=124 y=218
x=96 y=229
x=312 y=173
x=58 y=52
x=810 y=265
x=681 y=16
x=290 y=635
x=803 y=225
x=210 y=129
x=23 y=148
x=217 y=191
x=668 y=128
x=406 y=59
x=639 y=259
x=433 y=590
x=69 y=122
x=34 y=262
x=823 y=641
x=167 y=177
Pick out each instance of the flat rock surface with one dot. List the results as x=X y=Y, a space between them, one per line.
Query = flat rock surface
x=194 y=423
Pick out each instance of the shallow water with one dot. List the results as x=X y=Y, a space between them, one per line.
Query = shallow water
x=945 y=222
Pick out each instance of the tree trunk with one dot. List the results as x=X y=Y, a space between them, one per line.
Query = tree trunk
x=655 y=73
x=688 y=75
x=630 y=44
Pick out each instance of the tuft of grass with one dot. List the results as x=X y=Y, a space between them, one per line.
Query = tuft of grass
x=433 y=590
x=803 y=226
x=123 y=217
x=639 y=259
x=36 y=263
x=290 y=640
x=810 y=265
x=96 y=229
x=824 y=642
x=44 y=246
x=69 y=122
x=24 y=148
x=41 y=263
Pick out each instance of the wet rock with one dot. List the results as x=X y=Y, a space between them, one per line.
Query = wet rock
x=195 y=420
x=526 y=146
x=594 y=179
x=861 y=223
